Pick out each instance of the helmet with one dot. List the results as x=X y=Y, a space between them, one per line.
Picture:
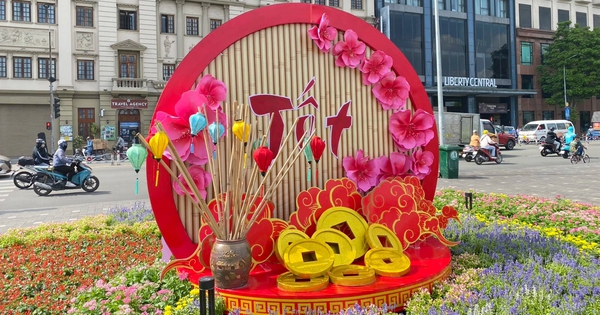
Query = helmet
x=551 y=128
x=485 y=132
x=474 y=130
x=62 y=144
x=40 y=141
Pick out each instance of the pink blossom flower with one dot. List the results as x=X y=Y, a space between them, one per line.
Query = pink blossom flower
x=397 y=164
x=376 y=68
x=392 y=91
x=361 y=170
x=213 y=90
x=349 y=52
x=127 y=300
x=421 y=163
x=201 y=179
x=408 y=132
x=183 y=275
x=323 y=35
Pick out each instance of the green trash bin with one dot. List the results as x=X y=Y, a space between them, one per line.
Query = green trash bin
x=449 y=161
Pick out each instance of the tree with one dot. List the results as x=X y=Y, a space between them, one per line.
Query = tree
x=577 y=49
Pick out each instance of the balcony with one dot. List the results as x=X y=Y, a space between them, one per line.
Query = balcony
x=130 y=86
x=584 y=1
x=596 y=3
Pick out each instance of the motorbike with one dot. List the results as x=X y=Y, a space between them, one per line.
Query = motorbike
x=46 y=180
x=548 y=148
x=484 y=155
x=468 y=153
x=565 y=152
x=23 y=177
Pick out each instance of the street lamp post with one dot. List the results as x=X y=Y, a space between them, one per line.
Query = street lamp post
x=438 y=68
x=565 y=78
x=51 y=79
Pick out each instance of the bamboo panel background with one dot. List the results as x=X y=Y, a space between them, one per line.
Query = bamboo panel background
x=281 y=61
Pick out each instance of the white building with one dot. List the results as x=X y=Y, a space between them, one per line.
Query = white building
x=110 y=58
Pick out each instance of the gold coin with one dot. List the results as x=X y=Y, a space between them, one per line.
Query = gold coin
x=343 y=248
x=287 y=237
x=379 y=236
x=387 y=262
x=289 y=282
x=348 y=222
x=352 y=275
x=308 y=258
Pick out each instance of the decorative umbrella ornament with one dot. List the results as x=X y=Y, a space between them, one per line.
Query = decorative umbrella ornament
x=216 y=130
x=158 y=144
x=197 y=124
x=317 y=145
x=309 y=157
x=137 y=154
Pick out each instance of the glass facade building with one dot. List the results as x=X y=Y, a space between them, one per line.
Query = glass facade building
x=478 y=55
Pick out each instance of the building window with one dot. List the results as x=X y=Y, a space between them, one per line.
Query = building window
x=22 y=67
x=524 y=15
x=46 y=13
x=85 y=70
x=482 y=7
x=581 y=19
x=334 y=3
x=526 y=53
x=305 y=1
x=414 y=3
x=596 y=21
x=356 y=5
x=492 y=50
x=406 y=31
x=502 y=8
x=543 y=50
x=528 y=116
x=545 y=18
x=454 y=47
x=527 y=84
x=127 y=66
x=548 y=115
x=457 y=5
x=43 y=65
x=86 y=117
x=2 y=66
x=127 y=20
x=191 y=26
x=167 y=24
x=214 y=24
x=22 y=11
x=563 y=15
x=85 y=16
x=2 y=10
x=168 y=70
x=321 y=2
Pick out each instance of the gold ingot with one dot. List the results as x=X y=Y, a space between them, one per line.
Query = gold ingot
x=379 y=236
x=343 y=248
x=348 y=222
x=387 y=262
x=289 y=282
x=308 y=258
x=352 y=275
x=286 y=238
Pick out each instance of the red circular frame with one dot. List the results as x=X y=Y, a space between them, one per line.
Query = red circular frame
x=161 y=196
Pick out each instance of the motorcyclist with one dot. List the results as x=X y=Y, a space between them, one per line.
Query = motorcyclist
x=570 y=135
x=60 y=162
x=551 y=138
x=488 y=144
x=40 y=153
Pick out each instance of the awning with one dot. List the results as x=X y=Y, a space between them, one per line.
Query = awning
x=461 y=91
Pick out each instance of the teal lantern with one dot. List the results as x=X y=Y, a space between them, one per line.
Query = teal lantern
x=137 y=154
x=216 y=130
x=197 y=124
x=309 y=157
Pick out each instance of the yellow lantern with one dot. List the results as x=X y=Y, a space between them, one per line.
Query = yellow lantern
x=241 y=130
x=158 y=144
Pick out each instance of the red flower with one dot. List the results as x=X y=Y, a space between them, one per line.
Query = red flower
x=421 y=163
x=392 y=91
x=323 y=35
x=213 y=90
x=350 y=52
x=362 y=170
x=376 y=68
x=409 y=133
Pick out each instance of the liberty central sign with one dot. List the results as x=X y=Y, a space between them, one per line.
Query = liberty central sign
x=470 y=82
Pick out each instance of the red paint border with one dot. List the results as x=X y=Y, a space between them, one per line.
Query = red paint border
x=161 y=197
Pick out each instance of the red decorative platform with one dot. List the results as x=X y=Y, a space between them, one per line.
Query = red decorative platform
x=430 y=263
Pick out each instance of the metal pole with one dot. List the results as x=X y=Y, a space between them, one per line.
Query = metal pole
x=438 y=69
x=50 y=79
x=565 y=84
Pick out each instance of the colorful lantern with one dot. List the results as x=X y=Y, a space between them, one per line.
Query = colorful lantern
x=137 y=154
x=216 y=130
x=197 y=124
x=241 y=130
x=263 y=158
x=309 y=157
x=317 y=145
x=158 y=144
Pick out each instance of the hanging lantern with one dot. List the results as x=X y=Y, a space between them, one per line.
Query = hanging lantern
x=317 y=145
x=241 y=130
x=257 y=144
x=158 y=144
x=197 y=124
x=309 y=157
x=216 y=130
x=137 y=155
x=263 y=158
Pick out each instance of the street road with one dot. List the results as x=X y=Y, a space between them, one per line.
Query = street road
x=523 y=171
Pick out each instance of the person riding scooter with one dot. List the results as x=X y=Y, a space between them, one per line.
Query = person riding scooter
x=475 y=141
x=60 y=163
x=40 y=153
x=551 y=138
x=488 y=144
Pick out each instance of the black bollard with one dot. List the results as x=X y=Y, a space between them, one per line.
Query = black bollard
x=469 y=200
x=207 y=286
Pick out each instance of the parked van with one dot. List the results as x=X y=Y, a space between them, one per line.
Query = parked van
x=537 y=130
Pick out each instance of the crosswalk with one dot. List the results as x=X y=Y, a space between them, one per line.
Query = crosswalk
x=6 y=187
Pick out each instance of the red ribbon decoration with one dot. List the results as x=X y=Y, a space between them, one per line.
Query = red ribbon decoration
x=263 y=158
